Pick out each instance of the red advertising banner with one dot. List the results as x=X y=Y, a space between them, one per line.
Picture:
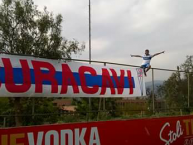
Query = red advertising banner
x=156 y=131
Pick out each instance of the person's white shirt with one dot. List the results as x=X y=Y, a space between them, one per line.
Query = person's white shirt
x=146 y=59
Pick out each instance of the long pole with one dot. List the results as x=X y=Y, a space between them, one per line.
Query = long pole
x=89 y=49
x=188 y=90
x=89 y=31
x=33 y=107
x=104 y=102
x=153 y=95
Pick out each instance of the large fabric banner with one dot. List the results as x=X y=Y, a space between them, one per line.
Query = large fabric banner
x=157 y=131
x=23 y=76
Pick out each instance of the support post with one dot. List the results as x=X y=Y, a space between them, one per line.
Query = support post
x=33 y=107
x=89 y=51
x=100 y=102
x=90 y=110
x=4 y=122
x=89 y=30
x=153 y=93
x=104 y=104
x=104 y=98
x=188 y=90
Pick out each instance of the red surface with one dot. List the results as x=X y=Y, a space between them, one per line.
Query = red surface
x=175 y=131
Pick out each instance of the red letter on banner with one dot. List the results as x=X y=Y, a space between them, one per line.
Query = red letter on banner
x=119 y=82
x=48 y=76
x=106 y=82
x=130 y=81
x=9 y=77
x=68 y=78
x=85 y=88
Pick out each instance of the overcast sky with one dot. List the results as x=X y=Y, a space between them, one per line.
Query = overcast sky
x=124 y=27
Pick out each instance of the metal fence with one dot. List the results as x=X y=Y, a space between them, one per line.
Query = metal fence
x=103 y=115
x=156 y=104
x=153 y=78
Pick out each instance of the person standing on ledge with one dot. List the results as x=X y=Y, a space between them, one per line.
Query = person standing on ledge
x=146 y=60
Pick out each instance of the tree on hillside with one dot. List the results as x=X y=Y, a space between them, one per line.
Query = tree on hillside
x=174 y=95
x=188 y=67
x=26 y=30
x=175 y=89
